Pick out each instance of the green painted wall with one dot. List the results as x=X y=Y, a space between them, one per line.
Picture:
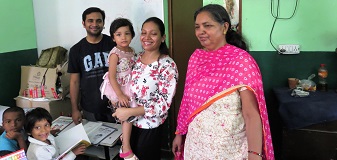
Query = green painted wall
x=10 y=70
x=165 y=21
x=314 y=26
x=17 y=25
x=17 y=46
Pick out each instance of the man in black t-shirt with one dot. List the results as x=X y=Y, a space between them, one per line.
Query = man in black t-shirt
x=87 y=65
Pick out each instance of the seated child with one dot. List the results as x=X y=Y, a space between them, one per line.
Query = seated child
x=42 y=143
x=14 y=137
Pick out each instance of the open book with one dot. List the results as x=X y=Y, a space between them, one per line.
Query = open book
x=73 y=135
x=68 y=140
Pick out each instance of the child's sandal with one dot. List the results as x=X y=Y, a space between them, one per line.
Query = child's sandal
x=134 y=157
x=126 y=154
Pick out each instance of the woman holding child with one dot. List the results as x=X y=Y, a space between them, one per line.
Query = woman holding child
x=153 y=82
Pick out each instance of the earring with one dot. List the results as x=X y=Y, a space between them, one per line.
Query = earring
x=224 y=32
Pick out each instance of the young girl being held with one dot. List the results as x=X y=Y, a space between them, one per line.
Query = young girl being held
x=42 y=143
x=116 y=84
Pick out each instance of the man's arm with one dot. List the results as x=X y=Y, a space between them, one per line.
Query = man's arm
x=74 y=96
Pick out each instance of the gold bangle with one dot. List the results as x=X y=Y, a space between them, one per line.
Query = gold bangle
x=259 y=154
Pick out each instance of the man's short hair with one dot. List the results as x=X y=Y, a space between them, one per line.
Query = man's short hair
x=91 y=10
x=14 y=109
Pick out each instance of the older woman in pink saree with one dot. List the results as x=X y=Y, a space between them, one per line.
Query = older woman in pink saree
x=223 y=112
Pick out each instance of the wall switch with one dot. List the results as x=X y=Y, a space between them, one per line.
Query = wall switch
x=289 y=49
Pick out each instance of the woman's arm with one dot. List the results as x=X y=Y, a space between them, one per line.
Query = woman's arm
x=167 y=84
x=253 y=123
x=177 y=145
x=123 y=113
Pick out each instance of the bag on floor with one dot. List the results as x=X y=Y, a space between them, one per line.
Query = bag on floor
x=51 y=57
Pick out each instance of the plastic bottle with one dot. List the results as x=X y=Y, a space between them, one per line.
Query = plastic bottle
x=322 y=75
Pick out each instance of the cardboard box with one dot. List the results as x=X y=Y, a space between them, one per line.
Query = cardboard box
x=33 y=78
x=56 y=107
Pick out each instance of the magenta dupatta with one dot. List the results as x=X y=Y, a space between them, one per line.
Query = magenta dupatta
x=209 y=73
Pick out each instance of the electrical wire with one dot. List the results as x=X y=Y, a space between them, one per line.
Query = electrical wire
x=276 y=17
x=278 y=8
x=270 y=35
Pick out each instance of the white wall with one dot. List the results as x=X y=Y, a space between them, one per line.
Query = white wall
x=59 y=22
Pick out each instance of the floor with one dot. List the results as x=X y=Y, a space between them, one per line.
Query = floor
x=166 y=155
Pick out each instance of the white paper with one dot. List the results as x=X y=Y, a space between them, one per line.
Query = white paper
x=91 y=126
x=61 y=123
x=68 y=139
x=100 y=133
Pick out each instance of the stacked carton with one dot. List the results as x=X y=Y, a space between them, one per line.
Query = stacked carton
x=43 y=87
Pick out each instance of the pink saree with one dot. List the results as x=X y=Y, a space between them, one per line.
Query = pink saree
x=210 y=73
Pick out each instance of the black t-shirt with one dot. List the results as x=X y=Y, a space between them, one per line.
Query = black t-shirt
x=91 y=62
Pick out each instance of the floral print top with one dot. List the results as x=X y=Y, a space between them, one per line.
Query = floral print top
x=154 y=86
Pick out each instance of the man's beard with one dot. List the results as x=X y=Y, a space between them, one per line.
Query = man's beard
x=94 y=34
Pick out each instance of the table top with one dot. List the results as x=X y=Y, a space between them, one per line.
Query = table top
x=299 y=112
x=110 y=140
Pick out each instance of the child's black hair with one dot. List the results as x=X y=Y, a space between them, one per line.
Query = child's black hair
x=121 y=22
x=14 y=109
x=35 y=115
